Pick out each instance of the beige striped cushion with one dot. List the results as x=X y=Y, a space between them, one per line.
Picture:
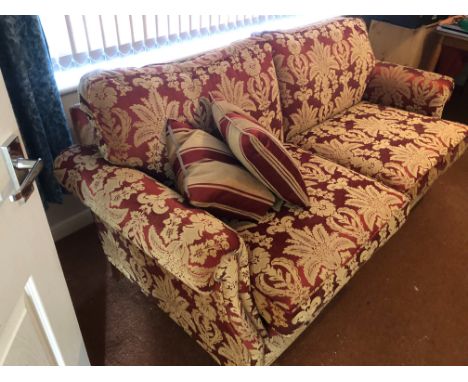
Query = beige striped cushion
x=260 y=152
x=210 y=177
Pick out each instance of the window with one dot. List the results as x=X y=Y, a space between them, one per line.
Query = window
x=79 y=44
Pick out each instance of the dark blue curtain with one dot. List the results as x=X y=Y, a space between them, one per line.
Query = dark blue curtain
x=29 y=78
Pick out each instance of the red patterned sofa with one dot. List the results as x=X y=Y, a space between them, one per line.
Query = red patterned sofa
x=369 y=141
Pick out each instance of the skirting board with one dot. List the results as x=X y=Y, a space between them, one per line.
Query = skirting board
x=71 y=224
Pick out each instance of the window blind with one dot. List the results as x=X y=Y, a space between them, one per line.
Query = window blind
x=78 y=40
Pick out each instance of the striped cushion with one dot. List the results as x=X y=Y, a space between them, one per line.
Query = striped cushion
x=260 y=152
x=211 y=178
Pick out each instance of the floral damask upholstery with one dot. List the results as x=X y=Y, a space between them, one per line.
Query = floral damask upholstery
x=404 y=150
x=189 y=242
x=245 y=290
x=322 y=70
x=409 y=88
x=130 y=107
x=299 y=257
x=219 y=321
x=191 y=262
x=197 y=268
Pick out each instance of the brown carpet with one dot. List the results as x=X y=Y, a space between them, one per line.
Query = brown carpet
x=407 y=306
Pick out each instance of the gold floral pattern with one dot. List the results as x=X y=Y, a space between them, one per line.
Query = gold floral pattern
x=130 y=107
x=300 y=258
x=245 y=290
x=322 y=70
x=194 y=265
x=149 y=214
x=404 y=150
x=409 y=89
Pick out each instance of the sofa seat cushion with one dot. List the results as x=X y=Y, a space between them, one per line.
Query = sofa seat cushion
x=299 y=258
x=322 y=70
x=404 y=150
x=130 y=106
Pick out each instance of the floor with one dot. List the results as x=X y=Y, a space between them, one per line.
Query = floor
x=407 y=306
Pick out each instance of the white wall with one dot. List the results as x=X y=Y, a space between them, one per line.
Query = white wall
x=72 y=215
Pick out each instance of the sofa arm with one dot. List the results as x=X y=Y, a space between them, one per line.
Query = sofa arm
x=83 y=127
x=189 y=243
x=409 y=89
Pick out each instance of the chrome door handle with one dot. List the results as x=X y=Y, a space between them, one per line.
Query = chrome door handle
x=32 y=168
x=22 y=172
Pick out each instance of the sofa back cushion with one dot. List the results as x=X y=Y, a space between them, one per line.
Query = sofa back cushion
x=322 y=70
x=130 y=107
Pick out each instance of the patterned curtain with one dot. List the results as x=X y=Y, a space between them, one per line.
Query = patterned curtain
x=29 y=78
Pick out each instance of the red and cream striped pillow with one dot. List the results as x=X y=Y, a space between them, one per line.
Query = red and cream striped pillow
x=211 y=178
x=260 y=153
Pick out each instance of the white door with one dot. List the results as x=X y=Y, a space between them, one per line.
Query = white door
x=38 y=325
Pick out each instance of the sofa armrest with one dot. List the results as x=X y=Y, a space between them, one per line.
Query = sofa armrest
x=207 y=259
x=409 y=89
x=83 y=128
x=189 y=243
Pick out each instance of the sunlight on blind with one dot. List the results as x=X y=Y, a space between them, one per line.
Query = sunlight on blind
x=76 y=40
x=81 y=43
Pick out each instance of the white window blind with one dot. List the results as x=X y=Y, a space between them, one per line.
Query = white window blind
x=76 y=40
x=81 y=43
